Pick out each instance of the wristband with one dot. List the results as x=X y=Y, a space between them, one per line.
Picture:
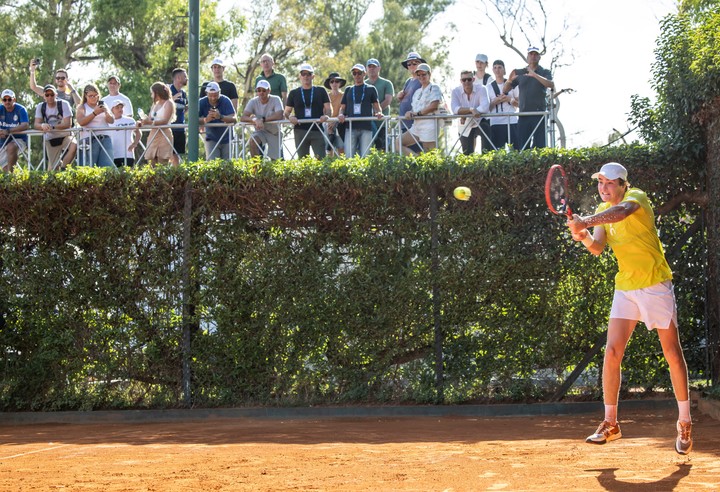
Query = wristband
x=588 y=240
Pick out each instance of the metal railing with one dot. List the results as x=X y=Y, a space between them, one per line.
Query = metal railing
x=447 y=133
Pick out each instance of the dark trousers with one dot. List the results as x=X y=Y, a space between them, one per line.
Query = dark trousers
x=485 y=135
x=500 y=137
x=313 y=139
x=526 y=129
x=468 y=142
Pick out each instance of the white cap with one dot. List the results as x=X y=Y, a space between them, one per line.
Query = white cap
x=8 y=92
x=217 y=61
x=423 y=67
x=481 y=58
x=534 y=48
x=117 y=102
x=612 y=170
x=212 y=87
x=306 y=67
x=263 y=84
x=358 y=66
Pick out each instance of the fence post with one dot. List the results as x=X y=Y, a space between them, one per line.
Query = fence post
x=436 y=303
x=187 y=302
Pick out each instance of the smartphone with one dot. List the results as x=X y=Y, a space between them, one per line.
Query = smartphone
x=101 y=103
x=36 y=62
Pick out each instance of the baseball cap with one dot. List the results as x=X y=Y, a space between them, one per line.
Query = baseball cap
x=217 y=61
x=481 y=58
x=358 y=66
x=212 y=87
x=263 y=84
x=50 y=87
x=533 y=48
x=117 y=102
x=612 y=170
x=306 y=67
x=117 y=79
x=373 y=61
x=499 y=62
x=8 y=92
x=423 y=67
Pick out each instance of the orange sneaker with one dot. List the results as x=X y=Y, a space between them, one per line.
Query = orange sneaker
x=684 y=443
x=605 y=432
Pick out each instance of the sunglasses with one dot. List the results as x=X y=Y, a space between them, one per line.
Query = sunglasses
x=414 y=63
x=421 y=74
x=261 y=90
x=467 y=79
x=305 y=74
x=59 y=78
x=7 y=99
x=357 y=73
x=49 y=94
x=334 y=81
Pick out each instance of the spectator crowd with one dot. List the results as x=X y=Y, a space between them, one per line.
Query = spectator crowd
x=341 y=116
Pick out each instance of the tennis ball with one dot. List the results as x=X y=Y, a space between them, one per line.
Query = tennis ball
x=462 y=193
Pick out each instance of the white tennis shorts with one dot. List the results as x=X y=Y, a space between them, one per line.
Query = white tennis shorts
x=655 y=305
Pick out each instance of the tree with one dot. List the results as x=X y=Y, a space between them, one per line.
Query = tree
x=528 y=20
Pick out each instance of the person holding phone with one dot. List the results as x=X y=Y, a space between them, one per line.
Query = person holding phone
x=213 y=109
x=95 y=144
x=65 y=90
x=533 y=81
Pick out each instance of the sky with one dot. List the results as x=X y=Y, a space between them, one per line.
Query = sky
x=614 y=51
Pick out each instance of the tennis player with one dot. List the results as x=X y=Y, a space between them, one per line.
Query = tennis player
x=643 y=291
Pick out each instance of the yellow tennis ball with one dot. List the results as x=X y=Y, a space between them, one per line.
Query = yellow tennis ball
x=462 y=193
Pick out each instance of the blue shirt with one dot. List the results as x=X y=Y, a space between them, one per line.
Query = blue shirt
x=225 y=108
x=11 y=119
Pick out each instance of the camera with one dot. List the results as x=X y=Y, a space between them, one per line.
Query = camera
x=36 y=62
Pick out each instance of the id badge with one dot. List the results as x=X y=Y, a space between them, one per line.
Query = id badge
x=308 y=113
x=356 y=108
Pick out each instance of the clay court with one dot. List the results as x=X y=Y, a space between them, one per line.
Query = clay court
x=446 y=453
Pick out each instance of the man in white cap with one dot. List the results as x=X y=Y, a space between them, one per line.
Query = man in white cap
x=227 y=88
x=481 y=64
x=359 y=100
x=643 y=292
x=114 y=94
x=13 y=120
x=260 y=111
x=52 y=116
x=386 y=92
x=216 y=108
x=533 y=81
x=308 y=102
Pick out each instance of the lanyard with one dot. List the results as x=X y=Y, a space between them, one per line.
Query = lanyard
x=363 y=94
x=302 y=94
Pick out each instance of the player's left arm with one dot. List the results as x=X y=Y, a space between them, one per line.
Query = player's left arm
x=616 y=213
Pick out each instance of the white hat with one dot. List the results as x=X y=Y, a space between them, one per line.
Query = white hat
x=533 y=48
x=423 y=67
x=212 y=87
x=8 y=92
x=217 y=61
x=117 y=102
x=358 y=66
x=612 y=170
x=263 y=84
x=481 y=58
x=306 y=67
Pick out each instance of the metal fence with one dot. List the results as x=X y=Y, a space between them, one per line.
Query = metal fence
x=386 y=135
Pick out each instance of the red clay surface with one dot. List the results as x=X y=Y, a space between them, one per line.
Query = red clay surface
x=444 y=454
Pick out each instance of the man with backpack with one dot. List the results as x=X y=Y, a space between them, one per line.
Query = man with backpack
x=54 y=117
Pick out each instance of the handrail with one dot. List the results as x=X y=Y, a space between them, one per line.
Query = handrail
x=241 y=133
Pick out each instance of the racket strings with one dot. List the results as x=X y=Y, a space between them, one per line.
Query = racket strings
x=558 y=194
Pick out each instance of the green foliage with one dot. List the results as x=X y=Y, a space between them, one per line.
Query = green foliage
x=686 y=78
x=316 y=282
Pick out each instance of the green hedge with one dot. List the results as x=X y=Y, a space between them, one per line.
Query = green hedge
x=316 y=282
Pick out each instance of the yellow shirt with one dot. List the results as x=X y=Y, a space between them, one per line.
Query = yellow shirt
x=636 y=245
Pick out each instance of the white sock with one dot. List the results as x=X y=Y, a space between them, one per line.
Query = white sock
x=611 y=413
x=684 y=411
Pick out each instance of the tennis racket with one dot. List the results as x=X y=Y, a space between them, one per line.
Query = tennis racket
x=557 y=191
